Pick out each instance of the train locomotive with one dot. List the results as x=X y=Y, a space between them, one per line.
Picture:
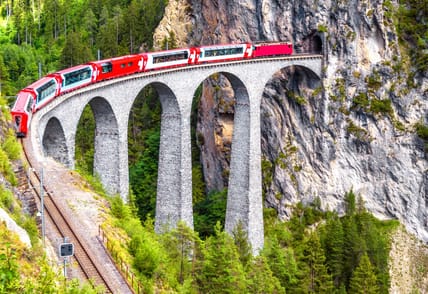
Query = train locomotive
x=40 y=93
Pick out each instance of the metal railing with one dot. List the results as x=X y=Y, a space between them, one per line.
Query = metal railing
x=122 y=266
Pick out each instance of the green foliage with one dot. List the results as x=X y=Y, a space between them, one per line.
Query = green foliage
x=240 y=238
x=59 y=34
x=332 y=237
x=361 y=101
x=198 y=184
x=261 y=279
x=119 y=209
x=267 y=174
x=180 y=243
x=220 y=270
x=25 y=271
x=316 y=278
x=364 y=278
x=210 y=211
x=169 y=42
x=9 y=278
x=11 y=146
x=422 y=131
x=413 y=31
x=143 y=176
x=350 y=203
x=322 y=28
x=85 y=134
x=381 y=106
x=6 y=168
x=282 y=262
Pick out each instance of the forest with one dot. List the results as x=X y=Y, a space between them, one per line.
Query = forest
x=315 y=251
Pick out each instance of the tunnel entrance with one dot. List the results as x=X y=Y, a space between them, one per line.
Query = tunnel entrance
x=312 y=44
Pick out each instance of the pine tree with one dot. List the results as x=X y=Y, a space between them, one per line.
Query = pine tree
x=282 y=263
x=353 y=247
x=364 y=279
x=180 y=245
x=333 y=246
x=260 y=278
x=220 y=270
x=319 y=280
x=240 y=237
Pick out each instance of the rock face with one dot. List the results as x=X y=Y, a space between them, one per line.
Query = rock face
x=354 y=130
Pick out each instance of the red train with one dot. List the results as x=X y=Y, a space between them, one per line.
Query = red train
x=41 y=92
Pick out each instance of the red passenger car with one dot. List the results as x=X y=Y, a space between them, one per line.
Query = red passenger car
x=116 y=67
x=272 y=49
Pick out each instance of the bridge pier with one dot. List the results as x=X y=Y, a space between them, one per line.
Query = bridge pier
x=174 y=189
x=244 y=201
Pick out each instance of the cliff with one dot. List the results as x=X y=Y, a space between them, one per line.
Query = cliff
x=353 y=130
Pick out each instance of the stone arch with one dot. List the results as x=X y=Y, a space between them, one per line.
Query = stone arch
x=237 y=207
x=106 y=144
x=54 y=142
x=288 y=108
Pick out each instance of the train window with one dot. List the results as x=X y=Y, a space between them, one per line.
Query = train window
x=130 y=63
x=29 y=104
x=123 y=65
x=106 y=67
x=172 y=57
x=77 y=76
x=223 y=51
x=46 y=90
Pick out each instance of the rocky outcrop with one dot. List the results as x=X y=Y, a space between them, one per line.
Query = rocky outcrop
x=354 y=130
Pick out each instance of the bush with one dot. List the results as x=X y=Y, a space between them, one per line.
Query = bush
x=11 y=146
x=381 y=106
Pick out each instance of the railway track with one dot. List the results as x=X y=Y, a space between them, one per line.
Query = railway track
x=87 y=263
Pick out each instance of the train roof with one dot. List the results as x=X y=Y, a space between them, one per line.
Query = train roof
x=71 y=69
x=115 y=59
x=273 y=43
x=222 y=46
x=166 y=52
x=40 y=82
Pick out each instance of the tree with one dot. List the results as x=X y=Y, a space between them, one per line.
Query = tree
x=319 y=281
x=75 y=51
x=240 y=237
x=333 y=245
x=364 y=279
x=260 y=278
x=180 y=244
x=210 y=211
x=282 y=263
x=220 y=268
x=350 y=203
x=143 y=176
x=85 y=141
x=353 y=246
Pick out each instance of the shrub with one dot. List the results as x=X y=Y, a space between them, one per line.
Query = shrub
x=381 y=106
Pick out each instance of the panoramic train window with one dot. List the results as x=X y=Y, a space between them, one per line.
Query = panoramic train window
x=172 y=57
x=224 y=51
x=77 y=76
x=46 y=90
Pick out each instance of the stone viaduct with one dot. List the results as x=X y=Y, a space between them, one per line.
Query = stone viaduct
x=54 y=127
